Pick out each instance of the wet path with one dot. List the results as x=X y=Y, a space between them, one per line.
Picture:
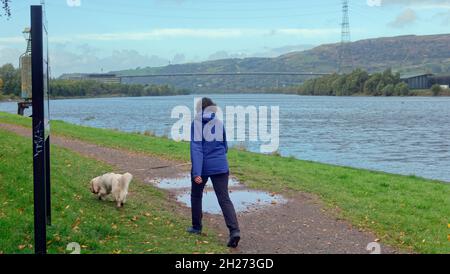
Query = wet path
x=244 y=200
x=298 y=224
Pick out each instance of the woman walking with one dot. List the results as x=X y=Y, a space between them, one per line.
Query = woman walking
x=209 y=160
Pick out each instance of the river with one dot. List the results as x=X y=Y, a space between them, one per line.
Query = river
x=403 y=135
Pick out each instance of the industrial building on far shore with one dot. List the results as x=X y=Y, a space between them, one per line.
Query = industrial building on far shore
x=426 y=80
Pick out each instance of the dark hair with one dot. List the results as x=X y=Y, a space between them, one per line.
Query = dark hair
x=205 y=103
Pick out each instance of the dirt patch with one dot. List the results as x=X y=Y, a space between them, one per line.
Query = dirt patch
x=301 y=225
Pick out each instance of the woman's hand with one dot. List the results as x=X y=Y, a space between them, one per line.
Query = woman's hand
x=198 y=180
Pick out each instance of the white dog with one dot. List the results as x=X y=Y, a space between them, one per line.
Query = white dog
x=116 y=184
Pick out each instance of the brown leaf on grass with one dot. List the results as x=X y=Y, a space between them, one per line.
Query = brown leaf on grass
x=134 y=219
x=21 y=247
x=147 y=214
x=114 y=226
x=76 y=224
x=117 y=251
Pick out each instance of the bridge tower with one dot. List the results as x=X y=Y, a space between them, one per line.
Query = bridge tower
x=345 y=53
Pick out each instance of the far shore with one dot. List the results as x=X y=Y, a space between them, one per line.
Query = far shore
x=418 y=93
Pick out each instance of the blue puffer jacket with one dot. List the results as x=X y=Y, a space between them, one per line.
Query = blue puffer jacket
x=208 y=154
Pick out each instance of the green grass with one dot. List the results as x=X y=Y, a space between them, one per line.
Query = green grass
x=145 y=225
x=405 y=211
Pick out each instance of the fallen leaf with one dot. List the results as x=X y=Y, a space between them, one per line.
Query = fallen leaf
x=76 y=223
x=21 y=247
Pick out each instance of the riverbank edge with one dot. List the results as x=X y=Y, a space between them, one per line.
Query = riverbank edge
x=404 y=211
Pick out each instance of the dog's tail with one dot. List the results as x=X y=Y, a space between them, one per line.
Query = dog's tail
x=125 y=180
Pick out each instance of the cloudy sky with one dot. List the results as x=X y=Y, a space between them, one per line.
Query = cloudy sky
x=104 y=35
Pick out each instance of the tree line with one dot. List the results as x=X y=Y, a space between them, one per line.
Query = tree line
x=358 y=82
x=10 y=85
x=89 y=88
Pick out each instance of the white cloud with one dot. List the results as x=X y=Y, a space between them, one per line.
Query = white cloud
x=406 y=18
x=10 y=55
x=12 y=40
x=63 y=60
x=444 y=17
x=170 y=33
x=418 y=4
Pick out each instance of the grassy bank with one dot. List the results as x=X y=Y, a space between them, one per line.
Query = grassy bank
x=145 y=225
x=404 y=211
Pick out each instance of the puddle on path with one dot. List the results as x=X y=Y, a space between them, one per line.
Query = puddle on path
x=185 y=182
x=243 y=200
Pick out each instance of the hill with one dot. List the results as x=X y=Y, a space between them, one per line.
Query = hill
x=405 y=54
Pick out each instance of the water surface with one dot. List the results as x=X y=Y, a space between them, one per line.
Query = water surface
x=408 y=135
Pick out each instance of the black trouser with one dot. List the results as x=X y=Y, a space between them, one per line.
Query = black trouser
x=220 y=184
